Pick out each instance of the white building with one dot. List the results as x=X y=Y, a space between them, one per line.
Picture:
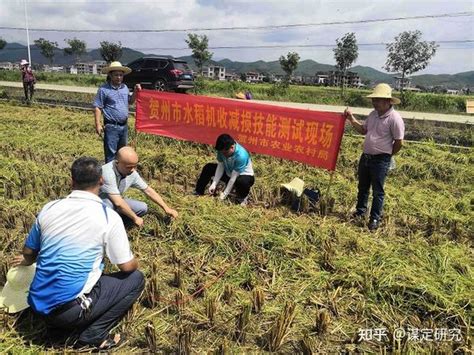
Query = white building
x=6 y=65
x=53 y=69
x=87 y=67
x=214 y=72
x=322 y=79
x=398 y=82
x=253 y=77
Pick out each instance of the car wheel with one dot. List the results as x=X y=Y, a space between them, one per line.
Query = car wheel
x=159 y=85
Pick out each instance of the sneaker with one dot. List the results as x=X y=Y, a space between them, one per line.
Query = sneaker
x=373 y=224
x=195 y=193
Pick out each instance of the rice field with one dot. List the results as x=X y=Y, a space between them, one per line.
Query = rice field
x=229 y=279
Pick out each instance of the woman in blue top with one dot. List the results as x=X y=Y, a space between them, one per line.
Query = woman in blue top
x=234 y=167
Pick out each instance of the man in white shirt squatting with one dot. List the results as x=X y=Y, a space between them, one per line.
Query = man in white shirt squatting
x=68 y=242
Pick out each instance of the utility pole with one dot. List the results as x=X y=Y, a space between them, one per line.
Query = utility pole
x=27 y=32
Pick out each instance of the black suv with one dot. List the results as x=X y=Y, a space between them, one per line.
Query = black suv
x=160 y=73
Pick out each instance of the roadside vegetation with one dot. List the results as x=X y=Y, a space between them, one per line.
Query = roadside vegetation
x=422 y=102
x=228 y=279
x=458 y=134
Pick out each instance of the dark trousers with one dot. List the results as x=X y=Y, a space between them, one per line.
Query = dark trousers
x=242 y=184
x=372 y=171
x=112 y=296
x=115 y=137
x=29 y=88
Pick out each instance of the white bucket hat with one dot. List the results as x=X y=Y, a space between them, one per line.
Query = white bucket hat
x=384 y=91
x=14 y=295
x=24 y=62
x=116 y=66
x=296 y=186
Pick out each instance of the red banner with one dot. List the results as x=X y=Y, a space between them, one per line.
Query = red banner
x=311 y=137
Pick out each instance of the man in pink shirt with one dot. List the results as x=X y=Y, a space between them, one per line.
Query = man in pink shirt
x=384 y=130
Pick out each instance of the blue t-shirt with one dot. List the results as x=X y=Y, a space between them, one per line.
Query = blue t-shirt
x=239 y=161
x=113 y=102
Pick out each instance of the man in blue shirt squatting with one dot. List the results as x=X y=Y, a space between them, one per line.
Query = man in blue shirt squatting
x=233 y=167
x=68 y=242
x=112 y=102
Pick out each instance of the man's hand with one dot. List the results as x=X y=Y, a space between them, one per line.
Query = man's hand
x=348 y=114
x=359 y=127
x=99 y=129
x=172 y=213
x=19 y=260
x=137 y=88
x=138 y=222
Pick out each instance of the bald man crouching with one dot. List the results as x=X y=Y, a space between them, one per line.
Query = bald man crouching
x=121 y=174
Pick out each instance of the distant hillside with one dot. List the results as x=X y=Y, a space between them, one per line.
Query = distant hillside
x=374 y=76
x=14 y=52
x=456 y=81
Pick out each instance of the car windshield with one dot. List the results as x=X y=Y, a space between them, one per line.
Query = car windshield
x=181 y=66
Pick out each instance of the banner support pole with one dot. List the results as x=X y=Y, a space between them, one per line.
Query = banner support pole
x=331 y=178
x=324 y=204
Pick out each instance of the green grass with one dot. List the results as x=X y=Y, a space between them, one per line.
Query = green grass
x=423 y=102
x=429 y=131
x=320 y=277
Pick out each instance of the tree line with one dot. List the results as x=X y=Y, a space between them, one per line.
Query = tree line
x=406 y=55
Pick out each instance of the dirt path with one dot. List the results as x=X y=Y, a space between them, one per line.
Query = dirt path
x=439 y=117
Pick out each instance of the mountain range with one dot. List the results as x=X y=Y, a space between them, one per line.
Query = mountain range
x=14 y=52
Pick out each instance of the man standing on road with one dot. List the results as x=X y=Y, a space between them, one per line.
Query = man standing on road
x=384 y=131
x=68 y=241
x=112 y=102
x=121 y=174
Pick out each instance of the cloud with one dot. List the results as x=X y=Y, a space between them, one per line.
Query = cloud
x=188 y=14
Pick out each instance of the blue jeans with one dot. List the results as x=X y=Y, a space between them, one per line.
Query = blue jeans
x=372 y=172
x=115 y=137
x=112 y=296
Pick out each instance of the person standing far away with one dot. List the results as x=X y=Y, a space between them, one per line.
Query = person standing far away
x=28 y=79
x=234 y=167
x=112 y=101
x=384 y=131
x=121 y=174
x=68 y=241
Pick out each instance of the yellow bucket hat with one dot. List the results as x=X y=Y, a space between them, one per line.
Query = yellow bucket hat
x=116 y=66
x=14 y=294
x=240 y=95
x=296 y=186
x=384 y=91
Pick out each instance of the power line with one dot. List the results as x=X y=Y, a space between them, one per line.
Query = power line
x=298 y=45
x=281 y=46
x=295 y=25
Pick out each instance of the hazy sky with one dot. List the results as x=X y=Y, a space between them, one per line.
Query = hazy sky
x=197 y=14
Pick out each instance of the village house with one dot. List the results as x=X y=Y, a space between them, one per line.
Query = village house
x=6 y=66
x=254 y=77
x=406 y=82
x=214 y=72
x=335 y=78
